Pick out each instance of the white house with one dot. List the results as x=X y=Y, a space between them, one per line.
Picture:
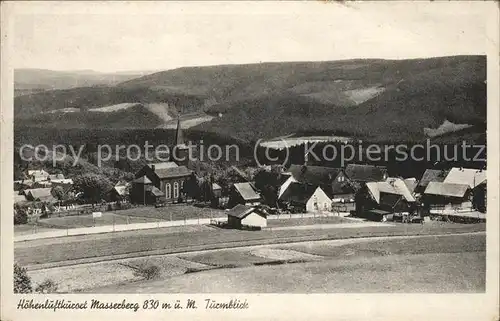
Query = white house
x=246 y=216
x=307 y=197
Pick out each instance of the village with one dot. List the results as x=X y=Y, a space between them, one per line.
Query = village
x=172 y=191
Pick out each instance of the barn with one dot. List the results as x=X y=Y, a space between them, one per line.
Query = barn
x=244 y=216
x=306 y=198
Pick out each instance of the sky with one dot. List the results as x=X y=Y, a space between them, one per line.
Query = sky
x=158 y=36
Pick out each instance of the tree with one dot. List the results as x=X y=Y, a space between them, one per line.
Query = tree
x=22 y=282
x=94 y=187
x=59 y=193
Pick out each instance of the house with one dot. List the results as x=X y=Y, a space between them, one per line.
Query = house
x=441 y=197
x=168 y=177
x=246 y=216
x=38 y=175
x=243 y=193
x=384 y=199
x=333 y=181
x=40 y=195
x=144 y=192
x=66 y=183
x=365 y=173
x=216 y=190
x=430 y=175
x=120 y=192
x=305 y=198
x=469 y=176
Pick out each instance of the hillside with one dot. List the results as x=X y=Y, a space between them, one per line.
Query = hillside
x=373 y=98
x=27 y=81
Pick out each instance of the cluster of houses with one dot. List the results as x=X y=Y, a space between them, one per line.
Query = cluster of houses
x=363 y=190
x=38 y=185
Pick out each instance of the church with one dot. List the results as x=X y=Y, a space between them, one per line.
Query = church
x=163 y=182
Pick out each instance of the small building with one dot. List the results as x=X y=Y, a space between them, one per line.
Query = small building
x=120 y=192
x=138 y=190
x=216 y=190
x=244 y=193
x=447 y=197
x=244 y=216
x=38 y=175
x=306 y=198
x=40 y=195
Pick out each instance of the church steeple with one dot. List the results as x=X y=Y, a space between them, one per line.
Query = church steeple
x=179 y=137
x=181 y=151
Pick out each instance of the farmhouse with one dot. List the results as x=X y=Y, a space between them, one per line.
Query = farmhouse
x=439 y=197
x=39 y=195
x=332 y=181
x=38 y=175
x=167 y=177
x=469 y=176
x=384 y=199
x=244 y=193
x=246 y=216
x=120 y=192
x=306 y=198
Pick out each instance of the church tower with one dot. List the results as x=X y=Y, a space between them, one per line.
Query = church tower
x=181 y=151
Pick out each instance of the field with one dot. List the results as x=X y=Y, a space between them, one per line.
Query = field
x=77 y=221
x=438 y=264
x=174 y=212
x=93 y=248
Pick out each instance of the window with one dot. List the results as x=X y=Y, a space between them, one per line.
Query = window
x=176 y=190
x=168 y=192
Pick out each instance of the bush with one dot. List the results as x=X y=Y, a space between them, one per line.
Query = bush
x=149 y=272
x=22 y=282
x=47 y=286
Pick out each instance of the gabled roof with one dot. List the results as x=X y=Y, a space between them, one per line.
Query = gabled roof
x=411 y=184
x=216 y=186
x=163 y=165
x=142 y=180
x=241 y=211
x=298 y=193
x=246 y=191
x=432 y=175
x=365 y=173
x=468 y=176
x=316 y=175
x=172 y=172
x=393 y=186
x=121 y=190
x=42 y=194
x=446 y=189
x=337 y=188
x=37 y=172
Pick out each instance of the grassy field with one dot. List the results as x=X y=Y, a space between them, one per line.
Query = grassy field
x=308 y=221
x=173 y=240
x=431 y=264
x=172 y=212
x=88 y=221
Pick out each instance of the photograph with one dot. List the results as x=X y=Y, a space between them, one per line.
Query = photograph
x=330 y=147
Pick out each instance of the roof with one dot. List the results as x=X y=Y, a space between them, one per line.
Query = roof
x=240 y=173
x=432 y=175
x=154 y=190
x=142 y=180
x=63 y=181
x=163 y=165
x=56 y=176
x=37 y=172
x=411 y=184
x=246 y=191
x=241 y=211
x=377 y=211
x=316 y=175
x=121 y=190
x=42 y=194
x=170 y=172
x=337 y=188
x=298 y=193
x=446 y=189
x=216 y=186
x=365 y=173
x=394 y=186
x=469 y=176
